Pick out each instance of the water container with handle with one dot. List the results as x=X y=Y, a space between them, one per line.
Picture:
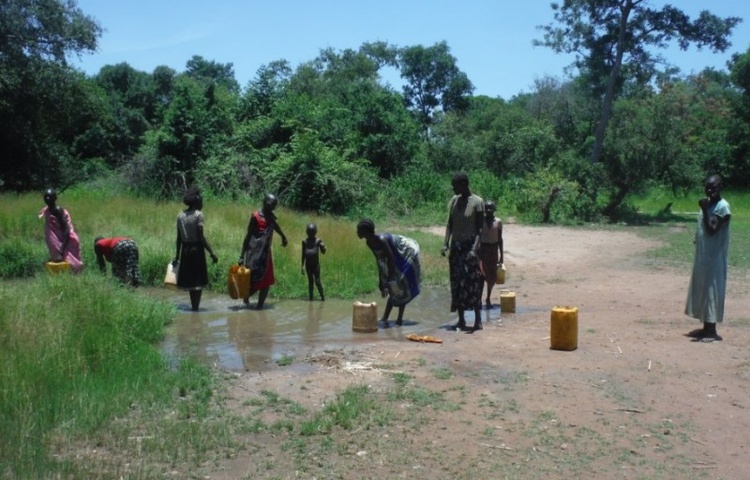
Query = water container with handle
x=563 y=331
x=500 y=274
x=238 y=281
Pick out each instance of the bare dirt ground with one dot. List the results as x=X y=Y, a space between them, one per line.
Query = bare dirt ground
x=637 y=398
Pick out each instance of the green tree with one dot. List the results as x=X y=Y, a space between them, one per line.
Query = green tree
x=670 y=137
x=433 y=82
x=614 y=42
x=740 y=137
x=565 y=106
x=210 y=71
x=163 y=79
x=132 y=101
x=197 y=122
x=265 y=89
x=495 y=135
x=38 y=91
x=339 y=97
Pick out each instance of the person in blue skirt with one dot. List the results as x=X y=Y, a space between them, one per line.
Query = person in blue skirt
x=399 y=271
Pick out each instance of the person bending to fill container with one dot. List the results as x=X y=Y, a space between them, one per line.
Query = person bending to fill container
x=122 y=253
x=399 y=271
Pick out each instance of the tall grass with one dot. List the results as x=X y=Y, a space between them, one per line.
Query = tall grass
x=77 y=352
x=348 y=268
x=74 y=352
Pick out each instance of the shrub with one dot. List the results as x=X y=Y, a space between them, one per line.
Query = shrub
x=19 y=259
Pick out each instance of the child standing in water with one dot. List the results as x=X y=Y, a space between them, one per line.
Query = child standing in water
x=311 y=247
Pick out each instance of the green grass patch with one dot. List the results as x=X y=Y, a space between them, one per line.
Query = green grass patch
x=285 y=360
x=675 y=228
x=77 y=353
x=442 y=373
x=348 y=267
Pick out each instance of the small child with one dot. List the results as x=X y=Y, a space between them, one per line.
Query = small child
x=311 y=260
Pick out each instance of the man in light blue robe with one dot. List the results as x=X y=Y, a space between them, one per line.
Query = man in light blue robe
x=708 y=283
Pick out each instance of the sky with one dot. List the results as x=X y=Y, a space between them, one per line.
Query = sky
x=490 y=39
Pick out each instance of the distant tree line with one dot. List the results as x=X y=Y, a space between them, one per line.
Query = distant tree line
x=330 y=135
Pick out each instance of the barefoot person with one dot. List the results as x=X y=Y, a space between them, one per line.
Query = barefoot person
x=312 y=247
x=462 y=239
x=708 y=283
x=192 y=245
x=490 y=248
x=399 y=271
x=256 y=250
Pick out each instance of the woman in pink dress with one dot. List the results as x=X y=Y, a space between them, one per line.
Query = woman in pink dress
x=62 y=241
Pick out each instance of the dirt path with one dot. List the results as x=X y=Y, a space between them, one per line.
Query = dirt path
x=637 y=399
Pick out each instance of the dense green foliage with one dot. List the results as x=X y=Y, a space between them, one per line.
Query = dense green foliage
x=331 y=136
x=614 y=40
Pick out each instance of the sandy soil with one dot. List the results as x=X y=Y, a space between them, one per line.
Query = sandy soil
x=636 y=399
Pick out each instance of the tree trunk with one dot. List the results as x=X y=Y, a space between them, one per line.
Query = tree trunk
x=547 y=207
x=609 y=95
x=615 y=201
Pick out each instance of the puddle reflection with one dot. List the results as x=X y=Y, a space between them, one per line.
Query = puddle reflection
x=232 y=337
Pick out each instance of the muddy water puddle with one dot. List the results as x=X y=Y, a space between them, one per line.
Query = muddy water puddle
x=226 y=334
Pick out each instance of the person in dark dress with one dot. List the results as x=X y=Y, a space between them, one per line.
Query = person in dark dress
x=462 y=239
x=191 y=243
x=256 y=250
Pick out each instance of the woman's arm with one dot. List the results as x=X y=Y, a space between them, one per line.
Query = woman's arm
x=478 y=216
x=63 y=219
x=178 y=244
x=277 y=229
x=386 y=252
x=100 y=258
x=448 y=231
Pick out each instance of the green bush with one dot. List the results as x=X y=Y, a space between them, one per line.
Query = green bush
x=19 y=259
x=547 y=197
